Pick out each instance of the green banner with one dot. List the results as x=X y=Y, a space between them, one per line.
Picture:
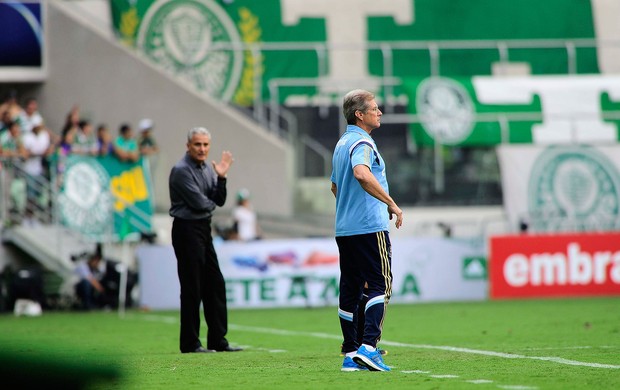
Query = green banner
x=182 y=36
x=105 y=199
x=447 y=110
x=486 y=111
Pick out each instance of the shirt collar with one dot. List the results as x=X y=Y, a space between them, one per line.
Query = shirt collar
x=357 y=129
x=193 y=163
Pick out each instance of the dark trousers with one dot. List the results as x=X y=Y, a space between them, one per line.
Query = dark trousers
x=201 y=281
x=361 y=317
x=86 y=292
x=364 y=258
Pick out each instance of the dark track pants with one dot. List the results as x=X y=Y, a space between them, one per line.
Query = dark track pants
x=364 y=258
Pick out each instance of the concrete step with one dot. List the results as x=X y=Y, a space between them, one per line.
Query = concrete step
x=51 y=245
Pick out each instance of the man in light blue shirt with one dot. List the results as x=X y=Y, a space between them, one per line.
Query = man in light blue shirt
x=363 y=210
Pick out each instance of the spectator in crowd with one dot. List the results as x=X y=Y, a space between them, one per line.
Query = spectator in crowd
x=72 y=121
x=30 y=116
x=148 y=145
x=11 y=145
x=89 y=289
x=5 y=120
x=10 y=106
x=125 y=146
x=85 y=142
x=12 y=152
x=146 y=142
x=244 y=218
x=104 y=141
x=65 y=148
x=67 y=139
x=38 y=146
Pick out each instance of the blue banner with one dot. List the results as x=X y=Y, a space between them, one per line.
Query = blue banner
x=21 y=34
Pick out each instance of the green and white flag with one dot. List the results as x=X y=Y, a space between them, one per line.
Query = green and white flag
x=484 y=110
x=104 y=198
x=561 y=188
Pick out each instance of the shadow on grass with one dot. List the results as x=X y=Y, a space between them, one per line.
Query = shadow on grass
x=20 y=370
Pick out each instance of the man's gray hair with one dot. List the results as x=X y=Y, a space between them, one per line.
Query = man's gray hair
x=353 y=101
x=197 y=130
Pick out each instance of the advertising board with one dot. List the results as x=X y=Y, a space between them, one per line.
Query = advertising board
x=558 y=265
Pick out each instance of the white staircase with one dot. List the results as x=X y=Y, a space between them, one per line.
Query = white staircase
x=51 y=245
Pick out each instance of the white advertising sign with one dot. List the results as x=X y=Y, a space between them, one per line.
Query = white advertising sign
x=305 y=272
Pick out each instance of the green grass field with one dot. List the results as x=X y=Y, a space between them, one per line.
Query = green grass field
x=530 y=344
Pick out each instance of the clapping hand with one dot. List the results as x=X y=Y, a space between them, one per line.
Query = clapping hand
x=222 y=167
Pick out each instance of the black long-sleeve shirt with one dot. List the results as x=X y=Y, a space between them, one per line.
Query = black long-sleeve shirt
x=195 y=190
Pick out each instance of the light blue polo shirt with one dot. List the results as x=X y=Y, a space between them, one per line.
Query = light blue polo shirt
x=358 y=212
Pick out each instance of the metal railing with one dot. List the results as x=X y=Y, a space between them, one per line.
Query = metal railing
x=25 y=198
x=387 y=49
x=270 y=114
x=504 y=120
x=269 y=109
x=274 y=114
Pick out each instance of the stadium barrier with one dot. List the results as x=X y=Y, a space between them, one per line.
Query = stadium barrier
x=305 y=272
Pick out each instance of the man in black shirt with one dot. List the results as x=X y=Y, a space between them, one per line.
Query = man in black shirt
x=196 y=188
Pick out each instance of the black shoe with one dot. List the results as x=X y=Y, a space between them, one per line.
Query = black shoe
x=228 y=348
x=200 y=350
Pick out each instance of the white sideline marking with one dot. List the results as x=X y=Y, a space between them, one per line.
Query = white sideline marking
x=263 y=349
x=167 y=320
x=573 y=347
x=425 y=346
x=479 y=381
x=444 y=376
x=283 y=332
x=551 y=348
